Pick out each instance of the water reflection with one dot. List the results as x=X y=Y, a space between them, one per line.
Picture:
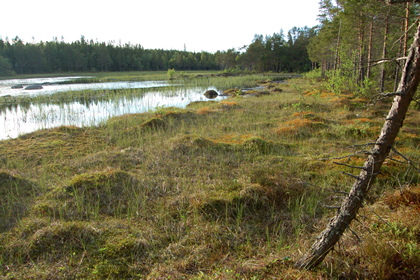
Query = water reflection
x=18 y=120
x=51 y=85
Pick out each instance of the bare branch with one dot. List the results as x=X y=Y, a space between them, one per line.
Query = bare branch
x=355 y=234
x=382 y=96
x=396 y=160
x=402 y=1
x=364 y=145
x=331 y=207
x=351 y=175
x=351 y=166
x=380 y=218
x=406 y=159
x=377 y=62
x=391 y=94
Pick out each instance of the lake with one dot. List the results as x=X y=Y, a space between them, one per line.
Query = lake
x=18 y=120
x=52 y=85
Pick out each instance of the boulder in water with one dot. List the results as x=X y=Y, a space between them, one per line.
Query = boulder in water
x=31 y=87
x=211 y=94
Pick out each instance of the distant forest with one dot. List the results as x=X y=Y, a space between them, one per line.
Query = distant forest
x=277 y=53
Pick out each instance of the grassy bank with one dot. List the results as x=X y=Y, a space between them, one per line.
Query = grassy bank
x=235 y=189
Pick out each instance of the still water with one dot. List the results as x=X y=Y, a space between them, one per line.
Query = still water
x=18 y=120
x=51 y=85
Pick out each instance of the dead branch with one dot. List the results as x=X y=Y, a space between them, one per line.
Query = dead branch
x=377 y=62
x=409 y=161
x=355 y=234
x=331 y=207
x=382 y=96
x=347 y=165
x=401 y=1
x=391 y=94
x=351 y=175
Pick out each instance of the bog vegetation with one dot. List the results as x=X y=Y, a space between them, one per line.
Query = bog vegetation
x=218 y=190
x=235 y=189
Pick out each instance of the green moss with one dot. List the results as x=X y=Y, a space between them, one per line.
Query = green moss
x=124 y=247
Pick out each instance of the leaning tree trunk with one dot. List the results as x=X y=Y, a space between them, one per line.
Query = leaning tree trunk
x=376 y=156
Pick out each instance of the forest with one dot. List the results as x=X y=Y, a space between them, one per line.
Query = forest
x=360 y=45
x=277 y=52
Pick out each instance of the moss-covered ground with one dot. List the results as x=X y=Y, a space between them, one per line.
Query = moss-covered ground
x=236 y=189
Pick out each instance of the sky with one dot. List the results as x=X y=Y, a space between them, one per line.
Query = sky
x=155 y=24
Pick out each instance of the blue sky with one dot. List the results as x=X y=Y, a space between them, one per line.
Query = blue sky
x=197 y=25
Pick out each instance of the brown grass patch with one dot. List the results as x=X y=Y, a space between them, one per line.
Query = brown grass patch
x=294 y=126
x=311 y=92
x=229 y=103
x=405 y=197
x=205 y=111
x=328 y=94
x=299 y=114
x=359 y=100
x=360 y=120
x=340 y=101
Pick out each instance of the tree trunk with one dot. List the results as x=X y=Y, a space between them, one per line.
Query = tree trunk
x=384 y=53
x=337 y=50
x=369 y=58
x=360 y=65
x=403 y=47
x=406 y=19
x=351 y=204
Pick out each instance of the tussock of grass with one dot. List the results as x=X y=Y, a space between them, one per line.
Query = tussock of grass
x=154 y=123
x=17 y=194
x=300 y=127
x=220 y=190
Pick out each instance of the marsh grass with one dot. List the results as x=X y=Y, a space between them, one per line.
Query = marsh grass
x=218 y=190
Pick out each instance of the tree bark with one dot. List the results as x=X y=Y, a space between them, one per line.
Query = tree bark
x=360 y=65
x=384 y=52
x=376 y=156
x=337 y=50
x=370 y=47
x=403 y=47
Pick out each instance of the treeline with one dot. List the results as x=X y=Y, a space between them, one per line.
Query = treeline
x=275 y=52
x=358 y=43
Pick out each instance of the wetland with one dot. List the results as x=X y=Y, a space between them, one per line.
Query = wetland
x=65 y=101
